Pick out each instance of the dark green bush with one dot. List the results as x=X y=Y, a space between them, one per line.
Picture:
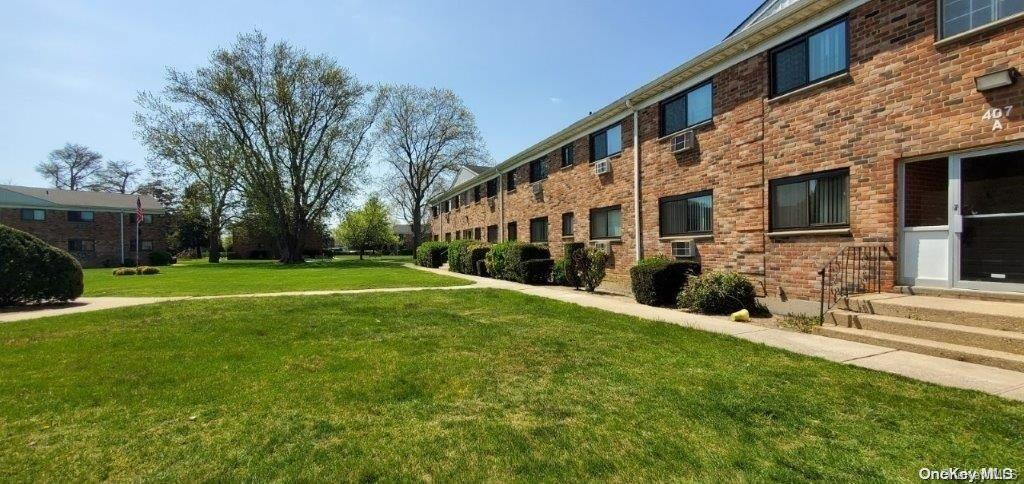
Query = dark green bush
x=432 y=254
x=477 y=254
x=538 y=271
x=656 y=281
x=558 y=273
x=574 y=252
x=458 y=256
x=592 y=270
x=507 y=260
x=159 y=258
x=719 y=293
x=32 y=271
x=496 y=258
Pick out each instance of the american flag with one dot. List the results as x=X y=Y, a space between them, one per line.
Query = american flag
x=138 y=210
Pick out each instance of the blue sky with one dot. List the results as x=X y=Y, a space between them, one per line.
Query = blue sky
x=71 y=69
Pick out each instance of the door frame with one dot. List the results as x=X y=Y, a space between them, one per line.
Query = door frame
x=956 y=222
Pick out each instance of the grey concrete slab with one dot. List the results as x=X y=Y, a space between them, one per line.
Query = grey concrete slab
x=81 y=305
x=810 y=344
x=1017 y=394
x=944 y=371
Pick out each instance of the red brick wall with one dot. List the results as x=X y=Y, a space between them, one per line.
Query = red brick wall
x=104 y=230
x=905 y=97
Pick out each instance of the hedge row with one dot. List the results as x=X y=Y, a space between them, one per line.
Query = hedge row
x=432 y=254
x=32 y=271
x=509 y=261
x=657 y=281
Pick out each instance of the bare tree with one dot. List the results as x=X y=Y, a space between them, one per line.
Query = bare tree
x=70 y=167
x=427 y=134
x=200 y=154
x=302 y=122
x=117 y=177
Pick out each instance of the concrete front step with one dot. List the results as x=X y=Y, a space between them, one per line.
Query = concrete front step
x=1006 y=316
x=955 y=293
x=999 y=359
x=992 y=339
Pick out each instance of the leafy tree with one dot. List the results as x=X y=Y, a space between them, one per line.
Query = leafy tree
x=369 y=227
x=116 y=177
x=71 y=167
x=302 y=121
x=190 y=228
x=426 y=134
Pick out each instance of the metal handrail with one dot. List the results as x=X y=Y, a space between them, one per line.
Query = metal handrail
x=855 y=269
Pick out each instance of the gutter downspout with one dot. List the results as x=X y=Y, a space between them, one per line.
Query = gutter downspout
x=637 y=229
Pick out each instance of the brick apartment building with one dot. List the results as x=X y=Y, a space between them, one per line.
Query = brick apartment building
x=816 y=125
x=97 y=228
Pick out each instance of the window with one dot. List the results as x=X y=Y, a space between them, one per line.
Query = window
x=687 y=109
x=510 y=181
x=492 y=187
x=512 y=232
x=538 y=169
x=80 y=245
x=467 y=234
x=146 y=245
x=436 y=237
x=567 y=155
x=455 y=202
x=567 y=222
x=686 y=214
x=605 y=143
x=492 y=233
x=477 y=193
x=820 y=54
x=75 y=216
x=539 y=229
x=476 y=233
x=31 y=214
x=606 y=223
x=448 y=237
x=811 y=201
x=147 y=219
x=959 y=16
x=434 y=211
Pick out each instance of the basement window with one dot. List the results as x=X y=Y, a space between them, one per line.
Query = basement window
x=959 y=16
x=810 y=58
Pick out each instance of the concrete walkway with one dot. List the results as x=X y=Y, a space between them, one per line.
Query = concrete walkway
x=942 y=371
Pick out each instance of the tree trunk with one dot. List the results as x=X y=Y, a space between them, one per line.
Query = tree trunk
x=361 y=250
x=213 y=248
x=417 y=230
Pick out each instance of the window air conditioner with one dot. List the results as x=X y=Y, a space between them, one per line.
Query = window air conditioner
x=683 y=142
x=602 y=167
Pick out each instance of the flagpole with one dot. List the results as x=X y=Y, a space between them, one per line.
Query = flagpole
x=137 y=242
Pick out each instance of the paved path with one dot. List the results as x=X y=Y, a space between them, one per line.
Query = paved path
x=942 y=371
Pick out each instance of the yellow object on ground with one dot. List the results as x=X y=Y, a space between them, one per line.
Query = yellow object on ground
x=740 y=316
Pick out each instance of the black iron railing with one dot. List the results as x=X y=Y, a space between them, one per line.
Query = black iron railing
x=855 y=269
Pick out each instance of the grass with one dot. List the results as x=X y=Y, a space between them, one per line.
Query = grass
x=200 y=278
x=458 y=386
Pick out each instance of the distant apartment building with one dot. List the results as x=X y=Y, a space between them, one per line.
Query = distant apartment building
x=815 y=128
x=97 y=228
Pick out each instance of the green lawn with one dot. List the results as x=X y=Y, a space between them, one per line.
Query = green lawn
x=199 y=278
x=458 y=386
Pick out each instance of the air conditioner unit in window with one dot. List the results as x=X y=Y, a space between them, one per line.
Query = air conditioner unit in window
x=602 y=167
x=490 y=203
x=602 y=245
x=683 y=142
x=682 y=249
x=537 y=187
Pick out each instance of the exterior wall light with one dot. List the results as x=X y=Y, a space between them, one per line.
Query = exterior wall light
x=996 y=80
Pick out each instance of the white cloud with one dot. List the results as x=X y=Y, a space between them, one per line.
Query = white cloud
x=556 y=100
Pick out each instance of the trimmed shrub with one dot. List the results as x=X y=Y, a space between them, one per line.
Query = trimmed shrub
x=32 y=271
x=136 y=271
x=159 y=258
x=477 y=253
x=596 y=261
x=719 y=293
x=481 y=268
x=656 y=281
x=432 y=254
x=147 y=270
x=458 y=256
x=558 y=273
x=496 y=259
x=507 y=260
x=574 y=254
x=538 y=271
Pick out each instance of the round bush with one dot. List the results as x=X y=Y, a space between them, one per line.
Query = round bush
x=432 y=254
x=159 y=258
x=719 y=293
x=656 y=281
x=458 y=256
x=32 y=271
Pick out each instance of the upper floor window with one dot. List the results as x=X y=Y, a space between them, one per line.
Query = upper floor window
x=510 y=181
x=456 y=200
x=492 y=187
x=959 y=16
x=434 y=211
x=32 y=214
x=605 y=143
x=606 y=223
x=567 y=154
x=538 y=169
x=686 y=109
x=686 y=214
x=75 y=216
x=539 y=229
x=477 y=193
x=811 y=201
x=810 y=58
